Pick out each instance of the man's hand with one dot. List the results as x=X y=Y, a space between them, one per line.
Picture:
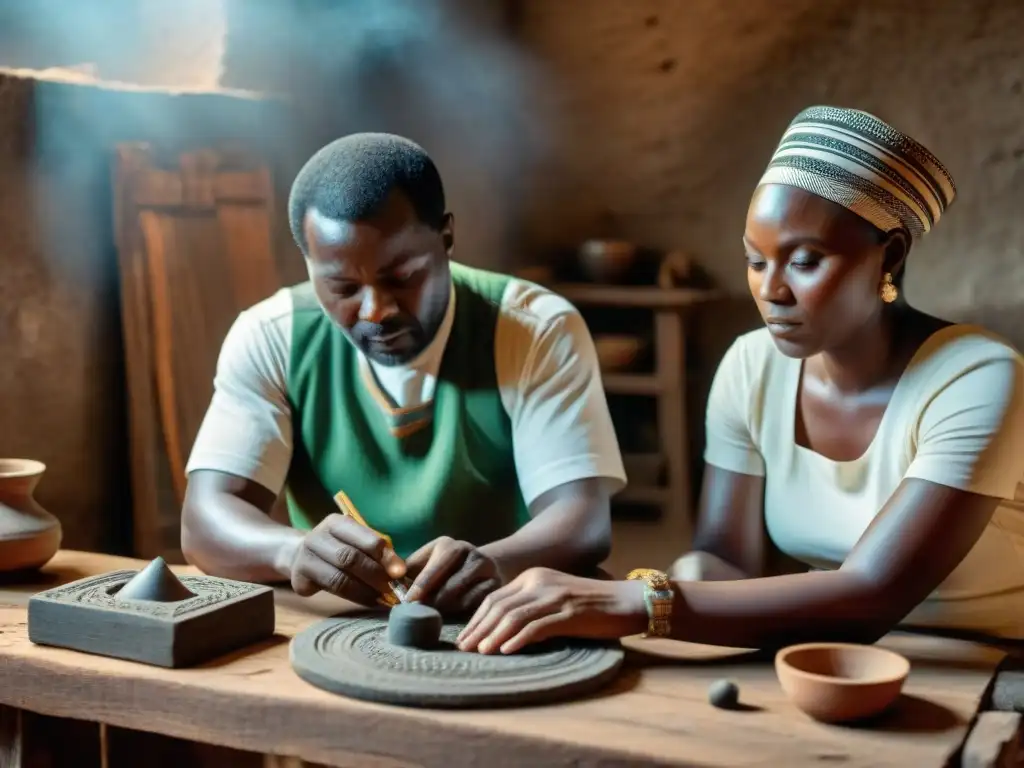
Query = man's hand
x=346 y=559
x=453 y=576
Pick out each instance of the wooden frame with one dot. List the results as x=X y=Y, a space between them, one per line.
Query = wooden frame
x=667 y=384
x=195 y=244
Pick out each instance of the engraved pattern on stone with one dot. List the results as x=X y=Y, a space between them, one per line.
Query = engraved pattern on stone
x=101 y=591
x=352 y=656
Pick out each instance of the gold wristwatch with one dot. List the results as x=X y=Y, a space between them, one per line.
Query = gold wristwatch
x=658 y=596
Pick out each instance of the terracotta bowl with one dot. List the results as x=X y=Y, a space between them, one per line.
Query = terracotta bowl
x=607 y=261
x=841 y=682
x=617 y=352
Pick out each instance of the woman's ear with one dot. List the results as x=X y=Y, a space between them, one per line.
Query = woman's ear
x=897 y=246
x=448 y=233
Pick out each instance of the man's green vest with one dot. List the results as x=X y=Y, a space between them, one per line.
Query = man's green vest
x=443 y=469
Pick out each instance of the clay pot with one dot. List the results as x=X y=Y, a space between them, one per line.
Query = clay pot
x=29 y=535
x=607 y=261
x=841 y=682
x=617 y=352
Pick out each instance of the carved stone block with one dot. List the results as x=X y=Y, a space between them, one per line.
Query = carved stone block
x=165 y=620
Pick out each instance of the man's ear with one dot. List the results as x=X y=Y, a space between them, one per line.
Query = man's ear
x=897 y=246
x=448 y=232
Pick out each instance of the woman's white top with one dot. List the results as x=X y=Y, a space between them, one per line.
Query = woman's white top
x=956 y=418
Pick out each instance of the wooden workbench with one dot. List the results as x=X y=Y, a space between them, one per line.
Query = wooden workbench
x=656 y=714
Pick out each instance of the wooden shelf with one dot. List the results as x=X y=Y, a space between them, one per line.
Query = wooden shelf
x=667 y=385
x=650 y=297
x=631 y=384
x=638 y=494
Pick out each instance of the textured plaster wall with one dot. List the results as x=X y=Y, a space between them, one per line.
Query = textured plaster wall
x=144 y=42
x=62 y=398
x=670 y=110
x=657 y=115
x=444 y=73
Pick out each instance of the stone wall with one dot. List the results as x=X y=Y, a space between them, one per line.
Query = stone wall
x=62 y=397
x=655 y=115
x=671 y=109
x=158 y=72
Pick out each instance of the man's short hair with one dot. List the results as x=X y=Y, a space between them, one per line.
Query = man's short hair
x=352 y=177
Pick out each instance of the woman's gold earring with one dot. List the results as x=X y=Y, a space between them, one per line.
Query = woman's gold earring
x=888 y=291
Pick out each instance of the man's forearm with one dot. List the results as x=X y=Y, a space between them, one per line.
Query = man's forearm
x=567 y=536
x=224 y=535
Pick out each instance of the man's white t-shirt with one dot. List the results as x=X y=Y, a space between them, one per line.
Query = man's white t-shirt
x=956 y=418
x=547 y=374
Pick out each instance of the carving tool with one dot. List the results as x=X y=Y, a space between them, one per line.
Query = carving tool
x=398 y=588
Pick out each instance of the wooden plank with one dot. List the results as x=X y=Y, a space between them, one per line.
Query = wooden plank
x=143 y=415
x=630 y=384
x=10 y=738
x=30 y=740
x=649 y=297
x=131 y=749
x=195 y=241
x=670 y=344
x=639 y=494
x=994 y=742
x=655 y=714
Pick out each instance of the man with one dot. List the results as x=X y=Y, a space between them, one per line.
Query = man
x=461 y=411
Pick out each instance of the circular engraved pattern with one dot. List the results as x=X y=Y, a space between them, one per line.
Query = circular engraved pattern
x=352 y=657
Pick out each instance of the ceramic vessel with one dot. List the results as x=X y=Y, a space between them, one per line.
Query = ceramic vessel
x=607 y=261
x=841 y=682
x=617 y=352
x=29 y=535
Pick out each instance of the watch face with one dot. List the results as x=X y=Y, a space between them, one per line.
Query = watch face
x=643 y=573
x=655 y=579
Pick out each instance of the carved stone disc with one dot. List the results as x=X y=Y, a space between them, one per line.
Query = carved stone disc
x=352 y=657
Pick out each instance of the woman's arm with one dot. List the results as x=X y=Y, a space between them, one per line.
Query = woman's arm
x=921 y=535
x=970 y=456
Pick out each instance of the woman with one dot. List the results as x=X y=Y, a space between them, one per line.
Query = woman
x=881 y=447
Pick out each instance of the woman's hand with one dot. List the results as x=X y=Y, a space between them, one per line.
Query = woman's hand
x=541 y=604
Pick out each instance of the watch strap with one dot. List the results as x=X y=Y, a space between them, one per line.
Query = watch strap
x=658 y=598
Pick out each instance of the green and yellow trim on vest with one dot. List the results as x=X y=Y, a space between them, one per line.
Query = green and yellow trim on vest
x=403 y=421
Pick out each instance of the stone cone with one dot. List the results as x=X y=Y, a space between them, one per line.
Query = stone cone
x=156 y=583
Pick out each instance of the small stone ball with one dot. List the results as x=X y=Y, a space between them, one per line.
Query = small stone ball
x=724 y=694
x=414 y=625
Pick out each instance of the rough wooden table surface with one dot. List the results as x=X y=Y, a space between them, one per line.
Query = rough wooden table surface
x=656 y=714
